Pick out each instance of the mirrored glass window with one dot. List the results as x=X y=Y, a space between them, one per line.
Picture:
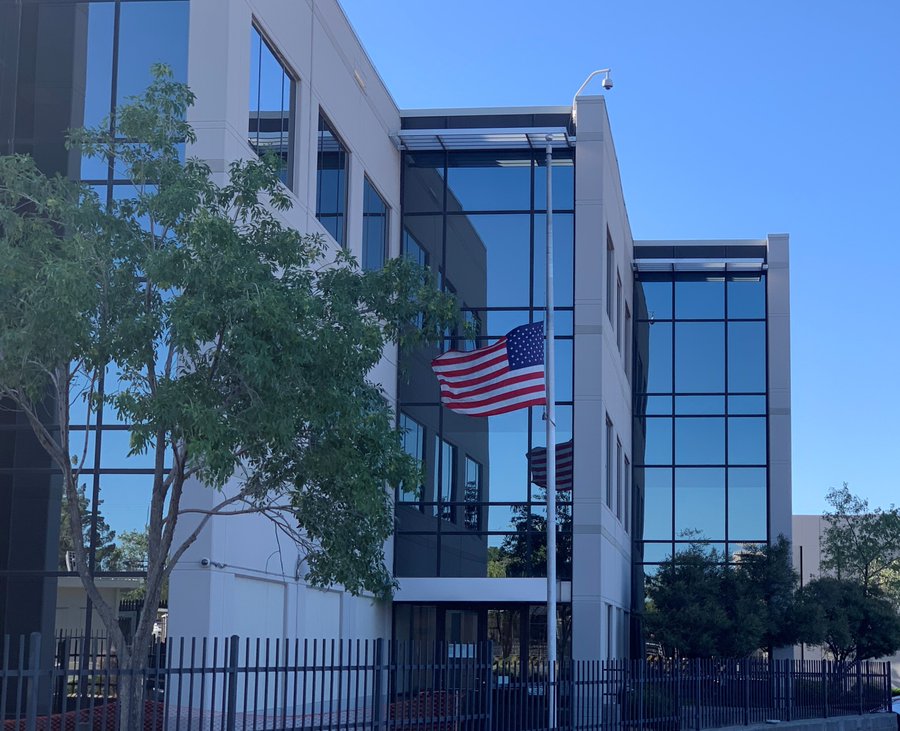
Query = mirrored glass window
x=488 y=181
x=653 y=357
x=747 y=504
x=270 y=130
x=332 y=171
x=699 y=441
x=700 y=504
x=413 y=436
x=375 y=228
x=656 y=484
x=699 y=298
x=563 y=182
x=150 y=32
x=653 y=299
x=747 y=356
x=699 y=357
x=746 y=440
x=747 y=297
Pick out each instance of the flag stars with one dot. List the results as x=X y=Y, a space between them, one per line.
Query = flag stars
x=525 y=346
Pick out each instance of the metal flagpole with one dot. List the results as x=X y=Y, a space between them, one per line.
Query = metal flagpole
x=551 y=456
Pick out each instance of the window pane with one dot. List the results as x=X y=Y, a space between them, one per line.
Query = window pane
x=747 y=356
x=375 y=228
x=653 y=357
x=150 y=33
x=472 y=495
x=488 y=181
x=423 y=182
x=699 y=298
x=747 y=440
x=656 y=487
x=747 y=504
x=653 y=405
x=699 y=357
x=563 y=260
x=98 y=77
x=700 y=503
x=699 y=405
x=699 y=441
x=747 y=297
x=488 y=259
x=746 y=404
x=331 y=182
x=124 y=507
x=271 y=91
x=500 y=445
x=563 y=183
x=653 y=300
x=413 y=439
x=655 y=436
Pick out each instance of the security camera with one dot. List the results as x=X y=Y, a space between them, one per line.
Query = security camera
x=607 y=83
x=205 y=562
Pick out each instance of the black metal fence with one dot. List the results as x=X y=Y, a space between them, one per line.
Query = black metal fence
x=374 y=685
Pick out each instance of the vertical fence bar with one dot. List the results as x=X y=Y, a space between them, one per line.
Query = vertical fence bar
x=377 y=704
x=34 y=665
x=231 y=705
x=825 y=688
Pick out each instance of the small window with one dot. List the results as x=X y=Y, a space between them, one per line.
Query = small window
x=627 y=480
x=331 y=182
x=413 y=436
x=610 y=272
x=473 y=494
x=619 y=479
x=375 y=228
x=620 y=326
x=271 y=126
x=609 y=463
x=628 y=335
x=444 y=457
x=609 y=631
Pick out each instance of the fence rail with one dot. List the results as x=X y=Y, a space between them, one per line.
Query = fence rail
x=374 y=685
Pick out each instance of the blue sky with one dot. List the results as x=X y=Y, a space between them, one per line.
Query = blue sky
x=730 y=120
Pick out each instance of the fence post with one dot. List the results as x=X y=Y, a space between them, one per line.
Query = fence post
x=745 y=664
x=859 y=690
x=231 y=709
x=34 y=665
x=642 y=669
x=789 y=689
x=489 y=685
x=377 y=703
x=825 y=686
x=697 y=694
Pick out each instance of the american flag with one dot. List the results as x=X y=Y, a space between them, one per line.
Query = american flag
x=537 y=463
x=502 y=377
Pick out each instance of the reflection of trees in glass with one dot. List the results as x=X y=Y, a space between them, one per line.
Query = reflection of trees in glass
x=472 y=494
x=105 y=553
x=524 y=553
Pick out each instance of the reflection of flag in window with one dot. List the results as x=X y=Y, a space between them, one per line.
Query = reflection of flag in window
x=537 y=465
x=502 y=377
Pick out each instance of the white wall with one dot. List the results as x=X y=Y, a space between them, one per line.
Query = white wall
x=252 y=587
x=602 y=543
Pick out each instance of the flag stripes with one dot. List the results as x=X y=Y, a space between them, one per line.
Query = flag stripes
x=565 y=462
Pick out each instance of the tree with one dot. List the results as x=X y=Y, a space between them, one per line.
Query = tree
x=701 y=606
x=856 y=623
x=242 y=350
x=862 y=543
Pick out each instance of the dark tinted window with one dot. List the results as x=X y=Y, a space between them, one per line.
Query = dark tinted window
x=331 y=182
x=375 y=228
x=270 y=130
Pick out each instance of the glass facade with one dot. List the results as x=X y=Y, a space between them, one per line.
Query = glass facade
x=75 y=61
x=332 y=172
x=478 y=220
x=700 y=426
x=271 y=104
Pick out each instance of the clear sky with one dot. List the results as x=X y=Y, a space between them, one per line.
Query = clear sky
x=731 y=120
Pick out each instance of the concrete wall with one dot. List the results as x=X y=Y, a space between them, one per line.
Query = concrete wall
x=253 y=585
x=601 y=541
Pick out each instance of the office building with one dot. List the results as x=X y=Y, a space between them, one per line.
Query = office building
x=673 y=384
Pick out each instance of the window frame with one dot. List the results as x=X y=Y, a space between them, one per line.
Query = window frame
x=386 y=225
x=344 y=215
x=291 y=106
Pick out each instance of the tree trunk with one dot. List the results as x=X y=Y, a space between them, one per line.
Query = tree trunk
x=131 y=690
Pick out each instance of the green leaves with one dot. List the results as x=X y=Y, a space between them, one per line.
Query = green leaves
x=240 y=346
x=702 y=607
